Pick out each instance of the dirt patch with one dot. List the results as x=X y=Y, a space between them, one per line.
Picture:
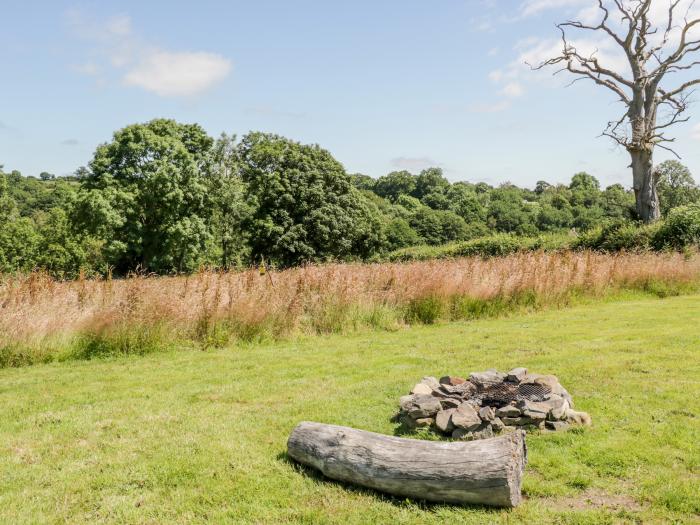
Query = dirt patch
x=595 y=499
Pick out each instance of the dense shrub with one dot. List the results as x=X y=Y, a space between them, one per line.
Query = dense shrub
x=680 y=230
x=497 y=245
x=618 y=236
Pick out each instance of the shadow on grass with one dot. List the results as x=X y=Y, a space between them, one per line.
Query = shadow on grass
x=403 y=429
x=425 y=506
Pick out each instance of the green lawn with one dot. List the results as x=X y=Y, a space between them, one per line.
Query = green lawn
x=193 y=437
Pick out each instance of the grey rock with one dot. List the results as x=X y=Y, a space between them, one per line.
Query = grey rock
x=443 y=420
x=533 y=409
x=487 y=414
x=486 y=379
x=423 y=389
x=519 y=421
x=516 y=375
x=553 y=384
x=449 y=402
x=497 y=424
x=462 y=390
x=466 y=418
x=529 y=379
x=578 y=418
x=431 y=381
x=425 y=422
x=420 y=406
x=483 y=432
x=460 y=433
x=508 y=411
x=557 y=407
x=556 y=425
x=451 y=380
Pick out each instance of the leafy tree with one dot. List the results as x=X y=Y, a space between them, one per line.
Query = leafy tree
x=436 y=200
x=430 y=182
x=304 y=205
x=509 y=213
x=399 y=234
x=555 y=212
x=465 y=202
x=617 y=203
x=585 y=190
x=63 y=252
x=395 y=184
x=229 y=206
x=19 y=244
x=8 y=206
x=362 y=182
x=145 y=195
x=675 y=185
x=542 y=186
x=438 y=226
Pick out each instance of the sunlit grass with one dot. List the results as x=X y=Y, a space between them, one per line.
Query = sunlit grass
x=199 y=436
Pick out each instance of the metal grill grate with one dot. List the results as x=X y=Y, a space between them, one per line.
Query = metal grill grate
x=505 y=393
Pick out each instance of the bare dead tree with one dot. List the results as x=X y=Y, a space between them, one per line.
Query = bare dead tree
x=654 y=52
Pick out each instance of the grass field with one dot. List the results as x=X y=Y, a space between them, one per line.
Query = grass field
x=199 y=436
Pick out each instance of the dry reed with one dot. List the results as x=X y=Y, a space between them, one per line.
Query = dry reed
x=41 y=314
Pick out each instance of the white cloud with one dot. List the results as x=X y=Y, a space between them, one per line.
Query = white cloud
x=512 y=90
x=119 y=25
x=178 y=74
x=414 y=163
x=532 y=7
x=696 y=132
x=117 y=53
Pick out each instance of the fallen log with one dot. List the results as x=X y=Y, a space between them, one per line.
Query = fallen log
x=482 y=472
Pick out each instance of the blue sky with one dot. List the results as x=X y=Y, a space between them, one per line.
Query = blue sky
x=383 y=84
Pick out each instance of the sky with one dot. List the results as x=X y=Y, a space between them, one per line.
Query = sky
x=382 y=84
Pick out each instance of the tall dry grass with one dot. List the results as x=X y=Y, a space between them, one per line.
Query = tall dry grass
x=42 y=319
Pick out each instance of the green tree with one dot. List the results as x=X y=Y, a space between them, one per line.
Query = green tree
x=399 y=234
x=585 y=190
x=395 y=184
x=438 y=226
x=63 y=252
x=617 y=203
x=675 y=185
x=229 y=206
x=430 y=181
x=362 y=182
x=508 y=212
x=146 y=196
x=465 y=202
x=304 y=207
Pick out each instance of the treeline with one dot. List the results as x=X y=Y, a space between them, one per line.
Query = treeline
x=165 y=197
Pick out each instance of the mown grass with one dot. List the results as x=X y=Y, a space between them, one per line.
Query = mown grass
x=199 y=437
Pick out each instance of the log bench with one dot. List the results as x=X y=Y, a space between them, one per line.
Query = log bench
x=483 y=472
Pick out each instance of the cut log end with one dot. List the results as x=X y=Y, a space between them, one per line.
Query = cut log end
x=482 y=472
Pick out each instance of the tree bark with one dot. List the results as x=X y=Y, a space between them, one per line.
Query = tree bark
x=482 y=472
x=644 y=183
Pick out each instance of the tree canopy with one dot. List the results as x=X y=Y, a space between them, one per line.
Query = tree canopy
x=165 y=197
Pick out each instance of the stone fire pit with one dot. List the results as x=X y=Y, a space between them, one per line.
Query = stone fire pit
x=489 y=403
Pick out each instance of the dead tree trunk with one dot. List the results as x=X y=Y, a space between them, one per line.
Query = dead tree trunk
x=644 y=183
x=482 y=472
